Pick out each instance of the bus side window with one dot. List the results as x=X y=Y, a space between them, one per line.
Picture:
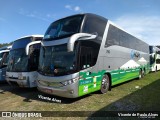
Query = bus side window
x=158 y=61
x=113 y=37
x=94 y=25
x=34 y=51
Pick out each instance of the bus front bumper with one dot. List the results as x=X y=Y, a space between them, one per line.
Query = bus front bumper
x=17 y=82
x=2 y=75
x=22 y=79
x=69 y=91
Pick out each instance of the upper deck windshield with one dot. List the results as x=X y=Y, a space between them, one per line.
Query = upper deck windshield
x=18 y=60
x=56 y=61
x=64 y=28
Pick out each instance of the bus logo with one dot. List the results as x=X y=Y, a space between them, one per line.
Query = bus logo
x=134 y=54
x=85 y=89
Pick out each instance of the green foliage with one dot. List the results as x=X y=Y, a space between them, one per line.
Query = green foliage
x=5 y=44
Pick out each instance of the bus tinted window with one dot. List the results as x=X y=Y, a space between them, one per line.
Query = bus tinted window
x=113 y=37
x=3 y=59
x=119 y=37
x=94 y=25
x=64 y=27
x=21 y=43
x=150 y=49
x=34 y=51
x=89 y=54
x=158 y=61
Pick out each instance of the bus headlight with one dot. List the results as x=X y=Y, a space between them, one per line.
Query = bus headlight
x=68 y=82
x=43 y=83
x=22 y=77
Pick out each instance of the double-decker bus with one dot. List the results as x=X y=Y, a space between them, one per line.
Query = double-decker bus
x=4 y=52
x=154 y=58
x=84 y=53
x=23 y=61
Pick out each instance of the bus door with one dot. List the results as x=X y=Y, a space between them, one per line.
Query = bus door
x=86 y=54
x=87 y=83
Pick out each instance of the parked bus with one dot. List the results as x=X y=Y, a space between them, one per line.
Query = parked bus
x=23 y=61
x=4 y=52
x=84 y=53
x=154 y=58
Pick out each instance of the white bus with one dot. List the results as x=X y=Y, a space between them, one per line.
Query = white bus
x=84 y=53
x=23 y=61
x=154 y=58
x=4 y=52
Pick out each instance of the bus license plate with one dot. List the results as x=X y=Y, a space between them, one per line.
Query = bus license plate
x=48 y=90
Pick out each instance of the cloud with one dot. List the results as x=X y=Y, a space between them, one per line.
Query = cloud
x=73 y=8
x=77 y=8
x=45 y=17
x=146 y=28
x=53 y=16
x=68 y=7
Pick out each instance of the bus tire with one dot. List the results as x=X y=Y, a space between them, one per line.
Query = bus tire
x=140 y=74
x=105 y=84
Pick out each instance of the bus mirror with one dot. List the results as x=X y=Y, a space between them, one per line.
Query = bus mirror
x=78 y=36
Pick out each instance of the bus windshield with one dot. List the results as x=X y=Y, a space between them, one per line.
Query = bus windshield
x=3 y=59
x=56 y=61
x=18 y=61
x=1 y=56
x=64 y=28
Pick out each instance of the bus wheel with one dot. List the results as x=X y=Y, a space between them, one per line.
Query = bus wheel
x=140 y=74
x=105 y=84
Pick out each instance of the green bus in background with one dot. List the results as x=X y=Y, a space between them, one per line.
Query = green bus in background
x=154 y=58
x=84 y=53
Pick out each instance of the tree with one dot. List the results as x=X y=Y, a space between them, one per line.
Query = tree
x=5 y=44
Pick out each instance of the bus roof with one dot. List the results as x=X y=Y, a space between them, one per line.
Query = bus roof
x=85 y=14
x=31 y=36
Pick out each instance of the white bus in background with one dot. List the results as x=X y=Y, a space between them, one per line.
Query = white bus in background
x=23 y=61
x=4 y=52
x=154 y=58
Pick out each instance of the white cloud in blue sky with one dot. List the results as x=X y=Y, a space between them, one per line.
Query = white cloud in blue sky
x=37 y=15
x=77 y=8
x=74 y=8
x=146 y=28
x=18 y=18
x=68 y=7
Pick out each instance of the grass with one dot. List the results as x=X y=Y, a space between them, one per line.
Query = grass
x=135 y=95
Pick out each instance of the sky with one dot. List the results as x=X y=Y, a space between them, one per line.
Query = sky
x=19 y=18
